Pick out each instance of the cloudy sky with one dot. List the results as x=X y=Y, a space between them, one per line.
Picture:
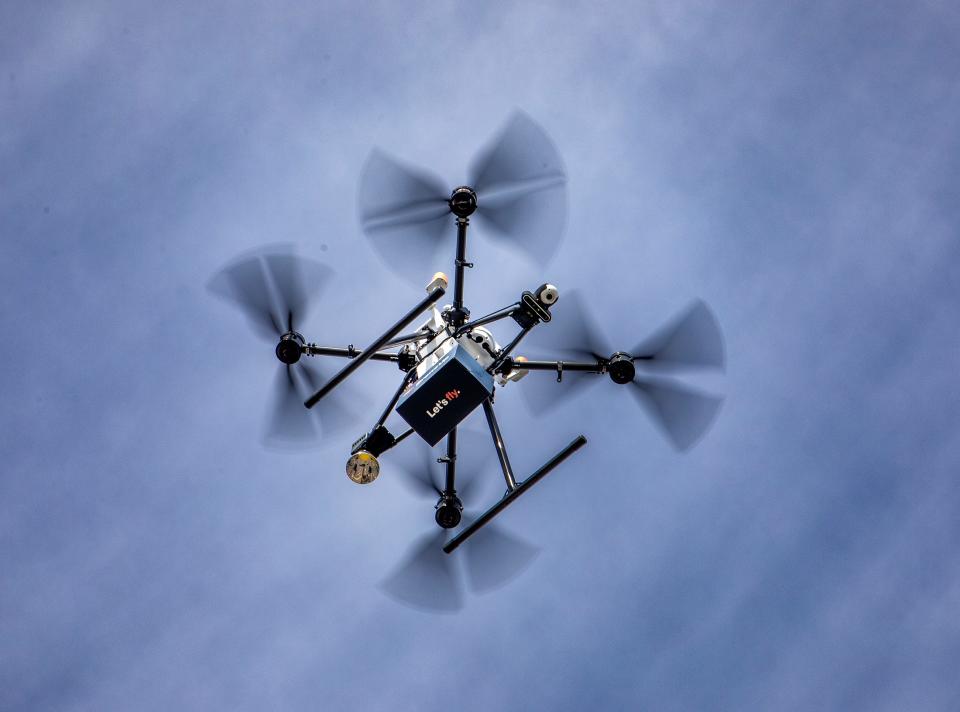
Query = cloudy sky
x=793 y=164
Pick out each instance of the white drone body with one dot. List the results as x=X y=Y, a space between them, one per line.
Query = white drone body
x=478 y=342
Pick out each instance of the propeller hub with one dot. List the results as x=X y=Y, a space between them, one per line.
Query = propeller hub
x=463 y=201
x=449 y=510
x=289 y=349
x=621 y=368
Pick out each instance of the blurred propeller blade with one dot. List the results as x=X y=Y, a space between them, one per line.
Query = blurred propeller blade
x=419 y=473
x=297 y=281
x=535 y=226
x=573 y=332
x=273 y=287
x=522 y=155
x=338 y=409
x=494 y=558
x=425 y=477
x=427 y=579
x=691 y=339
x=475 y=452
x=245 y=283
x=684 y=414
x=392 y=193
x=521 y=188
x=542 y=393
x=402 y=211
x=290 y=423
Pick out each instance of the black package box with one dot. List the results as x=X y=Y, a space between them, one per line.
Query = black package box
x=445 y=395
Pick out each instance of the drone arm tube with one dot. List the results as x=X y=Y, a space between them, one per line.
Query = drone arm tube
x=393 y=401
x=495 y=316
x=461 y=262
x=590 y=367
x=371 y=351
x=498 y=444
x=353 y=352
x=410 y=338
x=403 y=436
x=506 y=350
x=349 y=352
x=484 y=518
x=451 y=462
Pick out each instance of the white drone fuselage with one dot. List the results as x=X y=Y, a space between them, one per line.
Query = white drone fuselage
x=478 y=342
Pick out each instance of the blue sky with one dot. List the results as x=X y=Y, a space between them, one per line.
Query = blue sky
x=795 y=165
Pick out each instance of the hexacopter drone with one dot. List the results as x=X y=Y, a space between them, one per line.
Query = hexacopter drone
x=451 y=363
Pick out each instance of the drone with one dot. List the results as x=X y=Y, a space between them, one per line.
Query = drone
x=451 y=363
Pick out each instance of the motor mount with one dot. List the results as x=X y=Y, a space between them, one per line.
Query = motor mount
x=290 y=347
x=376 y=442
x=463 y=201
x=407 y=358
x=534 y=307
x=621 y=368
x=449 y=510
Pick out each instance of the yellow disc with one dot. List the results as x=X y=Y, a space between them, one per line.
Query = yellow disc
x=363 y=467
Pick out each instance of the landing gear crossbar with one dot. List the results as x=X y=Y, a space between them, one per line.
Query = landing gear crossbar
x=512 y=495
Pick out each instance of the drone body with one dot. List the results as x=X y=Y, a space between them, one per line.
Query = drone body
x=453 y=364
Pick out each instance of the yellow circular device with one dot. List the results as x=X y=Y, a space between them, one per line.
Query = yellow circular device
x=363 y=467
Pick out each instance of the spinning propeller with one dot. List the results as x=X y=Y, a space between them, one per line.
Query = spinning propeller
x=428 y=578
x=691 y=340
x=275 y=289
x=517 y=186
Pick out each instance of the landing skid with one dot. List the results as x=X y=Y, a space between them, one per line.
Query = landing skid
x=514 y=493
